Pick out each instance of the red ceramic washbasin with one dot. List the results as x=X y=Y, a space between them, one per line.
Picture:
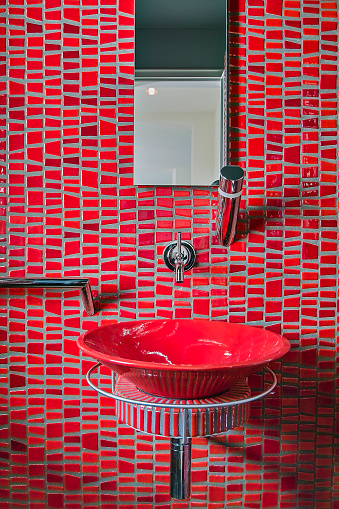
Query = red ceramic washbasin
x=183 y=358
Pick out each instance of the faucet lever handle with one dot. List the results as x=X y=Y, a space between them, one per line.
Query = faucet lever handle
x=179 y=243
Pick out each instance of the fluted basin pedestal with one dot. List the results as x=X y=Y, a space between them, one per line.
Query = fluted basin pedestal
x=182 y=424
x=181 y=420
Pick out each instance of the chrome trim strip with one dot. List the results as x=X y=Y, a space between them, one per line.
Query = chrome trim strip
x=182 y=406
x=229 y=195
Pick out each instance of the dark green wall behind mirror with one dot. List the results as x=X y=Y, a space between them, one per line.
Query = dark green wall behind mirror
x=180 y=34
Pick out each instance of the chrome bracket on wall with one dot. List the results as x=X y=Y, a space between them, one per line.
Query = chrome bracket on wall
x=61 y=283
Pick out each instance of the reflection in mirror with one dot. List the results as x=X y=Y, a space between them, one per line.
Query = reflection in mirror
x=179 y=92
x=177 y=132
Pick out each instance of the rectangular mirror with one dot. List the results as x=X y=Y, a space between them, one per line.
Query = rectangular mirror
x=179 y=121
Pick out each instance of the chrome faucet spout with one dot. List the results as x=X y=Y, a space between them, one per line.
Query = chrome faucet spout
x=179 y=273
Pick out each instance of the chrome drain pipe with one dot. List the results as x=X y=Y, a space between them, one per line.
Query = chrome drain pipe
x=181 y=468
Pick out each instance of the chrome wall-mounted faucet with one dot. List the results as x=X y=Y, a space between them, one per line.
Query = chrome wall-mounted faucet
x=230 y=189
x=179 y=257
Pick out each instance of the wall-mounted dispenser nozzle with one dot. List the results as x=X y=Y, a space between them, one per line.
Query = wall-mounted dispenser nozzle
x=230 y=189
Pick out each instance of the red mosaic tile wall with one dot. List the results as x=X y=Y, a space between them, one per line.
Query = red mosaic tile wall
x=69 y=208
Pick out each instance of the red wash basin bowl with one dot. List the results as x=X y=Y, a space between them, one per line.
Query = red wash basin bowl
x=183 y=358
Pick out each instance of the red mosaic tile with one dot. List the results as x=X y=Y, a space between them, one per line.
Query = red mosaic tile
x=71 y=209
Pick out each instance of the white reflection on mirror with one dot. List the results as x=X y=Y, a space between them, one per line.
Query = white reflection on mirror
x=177 y=132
